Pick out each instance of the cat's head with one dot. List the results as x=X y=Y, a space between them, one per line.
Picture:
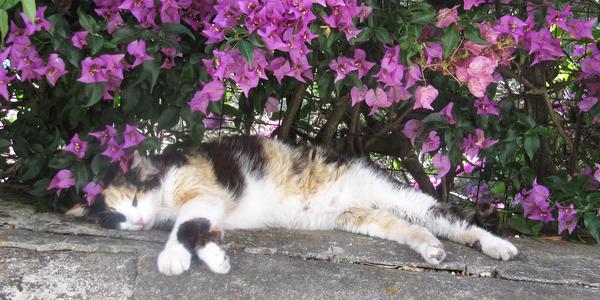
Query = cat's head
x=128 y=201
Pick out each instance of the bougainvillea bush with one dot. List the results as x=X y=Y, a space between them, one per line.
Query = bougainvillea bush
x=499 y=94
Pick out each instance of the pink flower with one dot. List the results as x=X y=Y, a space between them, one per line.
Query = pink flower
x=77 y=146
x=360 y=62
x=566 y=218
x=211 y=121
x=431 y=143
x=468 y=4
x=442 y=163
x=79 y=39
x=587 y=103
x=485 y=107
x=91 y=190
x=137 y=49
x=211 y=91
x=376 y=98
x=597 y=173
x=113 y=150
x=446 y=113
x=131 y=136
x=580 y=29
x=446 y=17
x=39 y=22
x=104 y=135
x=54 y=70
x=342 y=66
x=424 y=97
x=412 y=129
x=357 y=94
x=272 y=105
x=62 y=180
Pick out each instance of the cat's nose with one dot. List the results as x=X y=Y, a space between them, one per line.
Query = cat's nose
x=139 y=221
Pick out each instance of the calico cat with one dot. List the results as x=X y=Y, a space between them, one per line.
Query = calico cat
x=253 y=182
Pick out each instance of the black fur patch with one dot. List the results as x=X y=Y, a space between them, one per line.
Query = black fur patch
x=309 y=153
x=162 y=163
x=227 y=156
x=106 y=218
x=451 y=213
x=486 y=216
x=195 y=233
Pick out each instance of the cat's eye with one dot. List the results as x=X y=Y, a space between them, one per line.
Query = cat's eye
x=134 y=202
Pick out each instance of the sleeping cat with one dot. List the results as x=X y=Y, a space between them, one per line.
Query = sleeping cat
x=252 y=182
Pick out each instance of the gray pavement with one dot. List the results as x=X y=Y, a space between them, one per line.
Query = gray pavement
x=47 y=256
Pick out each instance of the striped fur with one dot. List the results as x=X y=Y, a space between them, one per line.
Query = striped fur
x=253 y=183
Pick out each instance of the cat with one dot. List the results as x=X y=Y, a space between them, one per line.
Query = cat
x=249 y=182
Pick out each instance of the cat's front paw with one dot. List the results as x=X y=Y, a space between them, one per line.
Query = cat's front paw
x=215 y=258
x=498 y=248
x=174 y=260
x=433 y=252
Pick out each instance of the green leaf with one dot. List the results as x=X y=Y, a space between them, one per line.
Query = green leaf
x=4 y=143
x=40 y=188
x=94 y=93
x=324 y=85
x=81 y=174
x=177 y=28
x=524 y=226
x=130 y=98
x=152 y=68
x=127 y=34
x=96 y=164
x=3 y=23
x=383 y=35
x=423 y=17
x=247 y=50
x=364 y=35
x=95 y=43
x=61 y=161
x=531 y=144
x=8 y=4
x=168 y=118
x=197 y=133
x=433 y=118
x=32 y=167
x=592 y=224
x=87 y=22
x=29 y=9
x=450 y=40
x=472 y=34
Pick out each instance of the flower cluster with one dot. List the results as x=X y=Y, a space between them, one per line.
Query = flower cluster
x=25 y=59
x=115 y=146
x=535 y=203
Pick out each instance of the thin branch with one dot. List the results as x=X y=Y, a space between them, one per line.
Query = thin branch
x=533 y=90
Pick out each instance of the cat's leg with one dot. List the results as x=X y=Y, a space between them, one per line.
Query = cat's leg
x=443 y=221
x=383 y=224
x=195 y=231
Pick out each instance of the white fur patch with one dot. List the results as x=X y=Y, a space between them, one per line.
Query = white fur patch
x=174 y=259
x=215 y=258
x=498 y=248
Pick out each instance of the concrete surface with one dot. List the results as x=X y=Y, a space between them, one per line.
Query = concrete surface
x=46 y=256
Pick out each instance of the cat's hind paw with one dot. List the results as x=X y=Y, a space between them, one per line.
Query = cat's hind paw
x=215 y=258
x=174 y=260
x=498 y=248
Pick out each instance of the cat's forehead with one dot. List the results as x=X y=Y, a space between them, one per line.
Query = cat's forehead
x=116 y=193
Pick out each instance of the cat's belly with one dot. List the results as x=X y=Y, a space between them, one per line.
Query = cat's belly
x=264 y=205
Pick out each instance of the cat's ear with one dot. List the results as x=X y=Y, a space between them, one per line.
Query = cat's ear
x=143 y=166
x=78 y=210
